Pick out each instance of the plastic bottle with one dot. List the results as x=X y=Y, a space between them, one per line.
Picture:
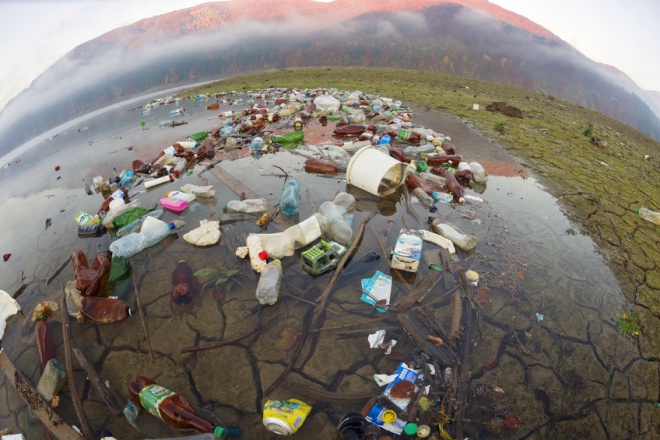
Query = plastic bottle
x=285 y=243
x=425 y=199
x=173 y=409
x=337 y=227
x=256 y=144
x=339 y=156
x=345 y=201
x=454 y=187
x=268 y=288
x=173 y=204
x=290 y=138
x=151 y=183
x=322 y=167
x=433 y=178
x=298 y=124
x=199 y=191
x=153 y=231
x=467 y=242
x=247 y=205
x=45 y=344
x=414 y=181
x=127 y=180
x=182 y=283
x=385 y=140
x=88 y=189
x=428 y=148
x=180 y=164
x=181 y=195
x=647 y=214
x=129 y=216
x=103 y=310
x=478 y=172
x=411 y=137
x=290 y=199
x=436 y=161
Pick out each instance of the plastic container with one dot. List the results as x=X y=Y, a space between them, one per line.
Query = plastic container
x=478 y=172
x=51 y=380
x=375 y=172
x=181 y=195
x=247 y=205
x=173 y=204
x=199 y=191
x=285 y=243
x=285 y=417
x=268 y=288
x=337 y=228
x=290 y=199
x=467 y=242
x=155 y=182
x=647 y=214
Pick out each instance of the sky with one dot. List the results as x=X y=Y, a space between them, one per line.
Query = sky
x=34 y=34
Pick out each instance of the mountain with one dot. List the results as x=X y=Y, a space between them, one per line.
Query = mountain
x=470 y=38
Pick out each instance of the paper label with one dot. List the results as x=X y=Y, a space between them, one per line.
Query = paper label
x=404 y=135
x=152 y=396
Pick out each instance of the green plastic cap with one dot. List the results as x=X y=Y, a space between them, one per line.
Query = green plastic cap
x=224 y=208
x=637 y=211
x=220 y=432
x=410 y=429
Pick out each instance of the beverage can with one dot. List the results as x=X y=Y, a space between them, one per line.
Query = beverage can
x=285 y=417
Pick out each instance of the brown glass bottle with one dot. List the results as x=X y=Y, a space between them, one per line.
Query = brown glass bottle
x=349 y=131
x=465 y=177
x=182 y=283
x=169 y=406
x=453 y=186
x=90 y=279
x=435 y=161
x=409 y=136
x=322 y=167
x=104 y=310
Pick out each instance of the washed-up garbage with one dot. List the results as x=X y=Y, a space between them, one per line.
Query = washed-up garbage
x=467 y=242
x=285 y=417
x=403 y=374
x=205 y=235
x=90 y=279
x=377 y=290
x=322 y=257
x=407 y=251
x=182 y=283
x=52 y=380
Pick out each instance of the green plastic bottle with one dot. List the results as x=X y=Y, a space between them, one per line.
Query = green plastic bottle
x=290 y=138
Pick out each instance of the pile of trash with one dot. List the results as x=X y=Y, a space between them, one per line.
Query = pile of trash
x=375 y=144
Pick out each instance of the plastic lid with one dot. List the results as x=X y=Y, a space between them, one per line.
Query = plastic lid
x=423 y=431
x=278 y=426
x=224 y=208
x=410 y=429
x=172 y=226
x=219 y=432
x=389 y=416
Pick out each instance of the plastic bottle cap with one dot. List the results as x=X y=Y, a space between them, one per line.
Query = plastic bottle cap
x=263 y=255
x=224 y=208
x=410 y=429
x=278 y=426
x=389 y=416
x=219 y=432
x=423 y=431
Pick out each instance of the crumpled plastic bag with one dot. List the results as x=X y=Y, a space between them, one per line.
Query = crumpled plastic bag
x=90 y=279
x=327 y=101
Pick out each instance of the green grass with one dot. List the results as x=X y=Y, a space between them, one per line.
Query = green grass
x=599 y=188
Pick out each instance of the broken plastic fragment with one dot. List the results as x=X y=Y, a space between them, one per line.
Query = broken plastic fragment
x=242 y=251
x=375 y=339
x=539 y=317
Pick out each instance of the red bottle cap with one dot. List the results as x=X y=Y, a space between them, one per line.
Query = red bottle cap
x=263 y=255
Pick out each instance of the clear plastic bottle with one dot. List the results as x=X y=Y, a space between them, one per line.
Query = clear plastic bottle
x=180 y=164
x=256 y=144
x=428 y=148
x=467 y=242
x=337 y=228
x=153 y=231
x=425 y=199
x=247 y=205
x=268 y=288
x=478 y=172
x=647 y=214
x=135 y=225
x=429 y=177
x=339 y=156
x=199 y=191
x=345 y=200
x=290 y=199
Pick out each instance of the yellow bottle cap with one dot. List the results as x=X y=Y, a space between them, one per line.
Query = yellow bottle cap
x=389 y=416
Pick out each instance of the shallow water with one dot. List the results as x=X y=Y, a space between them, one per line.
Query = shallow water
x=545 y=349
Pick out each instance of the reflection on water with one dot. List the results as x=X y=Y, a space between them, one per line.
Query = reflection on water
x=544 y=348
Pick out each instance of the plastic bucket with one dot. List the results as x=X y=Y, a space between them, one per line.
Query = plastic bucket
x=375 y=172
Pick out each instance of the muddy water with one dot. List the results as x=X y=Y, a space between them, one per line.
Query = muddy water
x=545 y=348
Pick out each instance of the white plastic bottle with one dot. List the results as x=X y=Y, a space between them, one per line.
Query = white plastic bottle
x=247 y=205
x=337 y=227
x=199 y=191
x=467 y=242
x=268 y=288
x=647 y=214
x=181 y=195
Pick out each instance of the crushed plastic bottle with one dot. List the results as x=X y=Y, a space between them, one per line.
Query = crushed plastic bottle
x=290 y=199
x=268 y=288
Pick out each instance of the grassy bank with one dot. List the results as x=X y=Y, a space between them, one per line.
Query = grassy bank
x=600 y=186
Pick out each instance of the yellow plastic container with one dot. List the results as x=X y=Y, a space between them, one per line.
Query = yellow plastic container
x=285 y=417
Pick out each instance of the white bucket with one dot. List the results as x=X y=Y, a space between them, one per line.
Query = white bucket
x=375 y=172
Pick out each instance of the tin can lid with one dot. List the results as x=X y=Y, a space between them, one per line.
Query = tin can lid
x=423 y=431
x=278 y=426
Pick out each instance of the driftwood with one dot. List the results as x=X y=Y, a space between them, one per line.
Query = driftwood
x=418 y=333
x=409 y=209
x=406 y=302
x=464 y=368
x=53 y=423
x=428 y=318
x=66 y=336
x=322 y=395
x=57 y=272
x=96 y=382
x=456 y=315
x=144 y=324
x=226 y=342
x=445 y=259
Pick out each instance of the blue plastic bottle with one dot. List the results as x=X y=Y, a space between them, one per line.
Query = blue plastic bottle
x=290 y=198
